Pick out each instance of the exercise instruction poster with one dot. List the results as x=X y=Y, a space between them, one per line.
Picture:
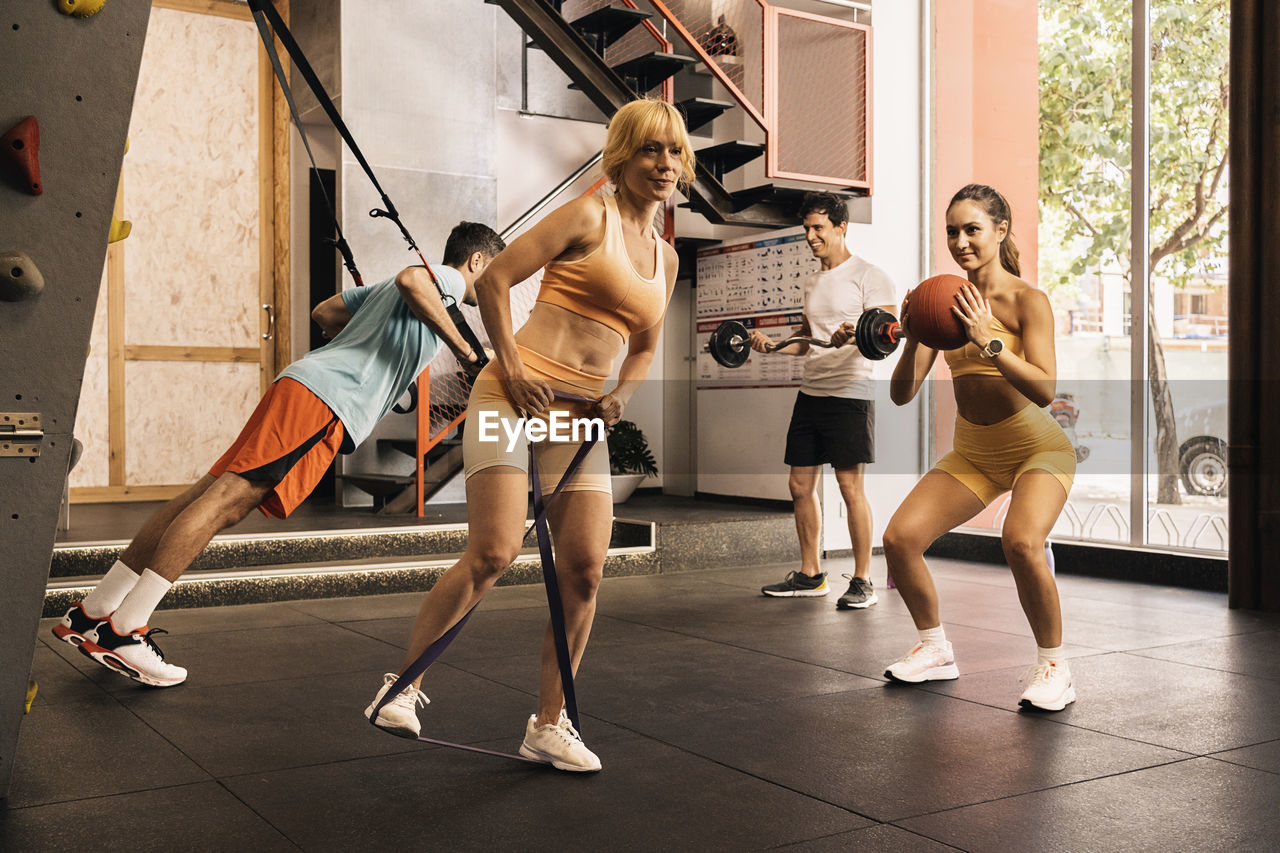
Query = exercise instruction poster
x=761 y=285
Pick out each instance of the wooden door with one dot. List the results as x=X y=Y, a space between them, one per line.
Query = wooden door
x=191 y=327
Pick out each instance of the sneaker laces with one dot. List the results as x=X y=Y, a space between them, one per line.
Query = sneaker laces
x=146 y=638
x=856 y=583
x=1039 y=673
x=922 y=646
x=409 y=698
x=565 y=726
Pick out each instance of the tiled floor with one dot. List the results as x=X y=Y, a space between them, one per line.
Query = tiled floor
x=725 y=721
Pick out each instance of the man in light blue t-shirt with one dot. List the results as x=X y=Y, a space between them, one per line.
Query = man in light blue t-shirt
x=325 y=403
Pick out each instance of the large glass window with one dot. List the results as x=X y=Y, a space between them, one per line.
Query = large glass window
x=1120 y=206
x=1187 y=262
x=1088 y=265
x=1085 y=259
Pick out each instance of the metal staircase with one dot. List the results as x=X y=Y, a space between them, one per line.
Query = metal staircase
x=578 y=48
x=581 y=48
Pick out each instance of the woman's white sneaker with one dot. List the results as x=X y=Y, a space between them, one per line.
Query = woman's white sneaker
x=1050 y=688
x=925 y=663
x=400 y=715
x=559 y=745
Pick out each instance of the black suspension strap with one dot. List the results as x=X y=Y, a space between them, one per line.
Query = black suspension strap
x=340 y=242
x=268 y=20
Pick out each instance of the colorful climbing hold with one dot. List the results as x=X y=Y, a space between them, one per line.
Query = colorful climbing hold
x=120 y=228
x=81 y=8
x=19 y=277
x=20 y=151
x=31 y=697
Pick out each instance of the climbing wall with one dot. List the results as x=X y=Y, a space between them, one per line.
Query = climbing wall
x=76 y=77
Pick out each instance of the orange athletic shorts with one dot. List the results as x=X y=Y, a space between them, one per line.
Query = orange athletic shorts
x=290 y=440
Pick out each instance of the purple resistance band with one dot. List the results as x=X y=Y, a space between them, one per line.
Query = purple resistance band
x=554 y=604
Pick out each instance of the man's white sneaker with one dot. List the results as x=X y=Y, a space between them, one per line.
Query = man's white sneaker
x=1050 y=688
x=400 y=715
x=559 y=745
x=925 y=663
x=133 y=654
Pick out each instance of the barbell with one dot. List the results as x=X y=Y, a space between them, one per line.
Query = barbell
x=876 y=336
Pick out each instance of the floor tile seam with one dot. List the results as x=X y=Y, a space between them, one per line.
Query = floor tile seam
x=283 y=676
x=90 y=798
x=345 y=622
x=351 y=630
x=84 y=676
x=1137 y=653
x=897 y=822
x=1216 y=757
x=1091 y=622
x=728 y=644
x=743 y=772
x=878 y=823
x=734 y=705
x=284 y=835
x=1181 y=638
x=289 y=768
x=171 y=743
x=1266 y=742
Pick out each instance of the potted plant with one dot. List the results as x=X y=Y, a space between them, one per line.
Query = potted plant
x=630 y=459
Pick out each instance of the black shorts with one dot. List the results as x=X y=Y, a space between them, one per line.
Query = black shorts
x=838 y=430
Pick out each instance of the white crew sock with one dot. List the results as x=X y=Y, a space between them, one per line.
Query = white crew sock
x=934 y=637
x=1053 y=656
x=105 y=598
x=141 y=601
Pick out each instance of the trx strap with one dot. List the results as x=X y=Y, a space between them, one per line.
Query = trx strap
x=263 y=13
x=304 y=68
x=554 y=604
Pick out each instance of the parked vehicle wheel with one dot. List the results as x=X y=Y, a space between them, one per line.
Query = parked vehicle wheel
x=1203 y=464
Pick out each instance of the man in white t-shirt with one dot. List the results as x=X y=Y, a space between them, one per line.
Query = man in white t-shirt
x=834 y=416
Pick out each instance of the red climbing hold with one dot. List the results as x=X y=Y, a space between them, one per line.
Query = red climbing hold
x=20 y=151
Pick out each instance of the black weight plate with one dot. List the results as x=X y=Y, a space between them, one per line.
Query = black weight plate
x=728 y=344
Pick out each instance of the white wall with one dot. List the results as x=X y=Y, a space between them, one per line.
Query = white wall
x=741 y=433
x=892 y=242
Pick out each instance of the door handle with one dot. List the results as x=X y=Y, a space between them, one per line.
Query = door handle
x=271 y=321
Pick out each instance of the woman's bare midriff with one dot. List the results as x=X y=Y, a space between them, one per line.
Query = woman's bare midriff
x=986 y=400
x=571 y=339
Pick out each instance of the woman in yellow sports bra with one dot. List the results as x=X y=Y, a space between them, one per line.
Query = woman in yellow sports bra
x=1005 y=440
x=607 y=280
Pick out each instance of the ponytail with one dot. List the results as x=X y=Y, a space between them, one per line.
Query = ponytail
x=998 y=209
x=1009 y=254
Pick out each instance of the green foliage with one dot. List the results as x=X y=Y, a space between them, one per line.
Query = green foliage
x=1086 y=113
x=629 y=451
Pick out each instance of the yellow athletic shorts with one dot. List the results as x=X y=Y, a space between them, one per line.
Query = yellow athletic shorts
x=990 y=459
x=486 y=441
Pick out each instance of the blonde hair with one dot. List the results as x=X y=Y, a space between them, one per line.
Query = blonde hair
x=641 y=121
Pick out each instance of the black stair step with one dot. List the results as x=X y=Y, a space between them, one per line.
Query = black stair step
x=381 y=486
x=687 y=250
x=728 y=156
x=783 y=196
x=409 y=447
x=605 y=26
x=700 y=111
x=646 y=72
